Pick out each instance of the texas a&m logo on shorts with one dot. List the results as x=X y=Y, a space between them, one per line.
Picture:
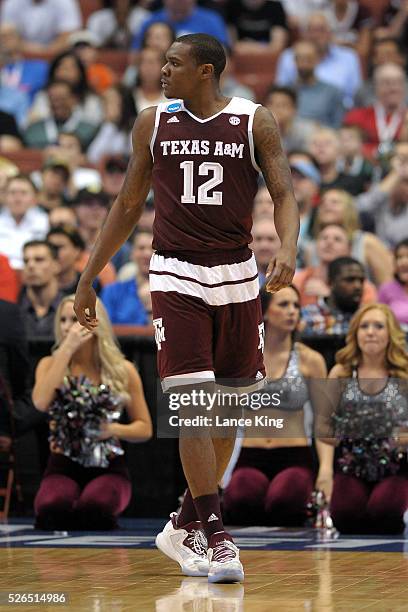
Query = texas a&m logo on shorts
x=159 y=332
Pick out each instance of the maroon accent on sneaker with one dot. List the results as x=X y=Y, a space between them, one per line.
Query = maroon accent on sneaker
x=195 y=539
x=187 y=512
x=209 y=512
x=219 y=544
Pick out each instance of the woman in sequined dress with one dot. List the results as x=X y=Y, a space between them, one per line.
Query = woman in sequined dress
x=275 y=472
x=75 y=493
x=370 y=492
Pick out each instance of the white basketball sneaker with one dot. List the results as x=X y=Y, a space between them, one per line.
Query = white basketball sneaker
x=187 y=545
x=223 y=556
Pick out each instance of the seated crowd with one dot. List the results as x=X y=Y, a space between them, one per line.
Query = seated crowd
x=338 y=89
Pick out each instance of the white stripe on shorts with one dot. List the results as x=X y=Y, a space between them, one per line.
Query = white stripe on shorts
x=192 y=279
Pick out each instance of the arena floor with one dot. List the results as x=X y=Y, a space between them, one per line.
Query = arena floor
x=285 y=570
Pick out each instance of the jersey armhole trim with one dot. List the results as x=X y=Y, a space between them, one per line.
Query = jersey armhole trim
x=251 y=139
x=156 y=127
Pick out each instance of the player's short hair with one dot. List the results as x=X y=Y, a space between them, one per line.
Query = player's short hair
x=206 y=50
x=336 y=266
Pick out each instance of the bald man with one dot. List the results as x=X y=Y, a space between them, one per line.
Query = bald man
x=382 y=122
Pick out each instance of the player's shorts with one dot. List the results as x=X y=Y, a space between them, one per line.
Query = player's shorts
x=208 y=321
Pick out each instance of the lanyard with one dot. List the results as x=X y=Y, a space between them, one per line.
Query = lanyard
x=387 y=131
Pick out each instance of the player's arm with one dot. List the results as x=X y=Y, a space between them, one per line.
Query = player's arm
x=275 y=170
x=123 y=216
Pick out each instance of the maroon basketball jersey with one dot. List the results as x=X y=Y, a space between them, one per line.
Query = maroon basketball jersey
x=204 y=179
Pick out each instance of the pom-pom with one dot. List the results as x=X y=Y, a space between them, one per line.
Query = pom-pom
x=77 y=413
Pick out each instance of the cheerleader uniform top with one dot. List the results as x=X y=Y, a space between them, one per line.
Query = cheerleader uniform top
x=292 y=386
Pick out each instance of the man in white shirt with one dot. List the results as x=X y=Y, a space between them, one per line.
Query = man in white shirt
x=339 y=66
x=20 y=219
x=43 y=24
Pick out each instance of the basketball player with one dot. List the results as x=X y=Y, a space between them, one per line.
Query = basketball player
x=203 y=153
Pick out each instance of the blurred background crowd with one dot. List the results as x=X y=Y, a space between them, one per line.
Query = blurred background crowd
x=73 y=77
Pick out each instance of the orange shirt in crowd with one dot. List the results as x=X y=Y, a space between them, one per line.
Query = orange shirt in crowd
x=9 y=284
x=100 y=77
x=303 y=276
x=106 y=276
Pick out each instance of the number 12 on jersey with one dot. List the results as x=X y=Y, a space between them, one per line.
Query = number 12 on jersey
x=204 y=169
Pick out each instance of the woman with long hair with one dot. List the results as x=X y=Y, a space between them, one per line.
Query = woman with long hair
x=338 y=206
x=395 y=292
x=275 y=475
x=114 y=135
x=84 y=385
x=369 y=384
x=148 y=90
x=67 y=66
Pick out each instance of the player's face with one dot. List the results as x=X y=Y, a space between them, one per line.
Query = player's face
x=180 y=74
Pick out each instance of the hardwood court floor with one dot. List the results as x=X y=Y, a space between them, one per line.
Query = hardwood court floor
x=122 y=579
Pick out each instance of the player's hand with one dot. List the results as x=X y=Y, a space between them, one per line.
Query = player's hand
x=281 y=269
x=85 y=306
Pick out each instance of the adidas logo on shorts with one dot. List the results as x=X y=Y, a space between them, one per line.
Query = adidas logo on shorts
x=259 y=375
x=212 y=517
x=173 y=120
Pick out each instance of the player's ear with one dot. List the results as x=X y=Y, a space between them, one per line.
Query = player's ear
x=207 y=71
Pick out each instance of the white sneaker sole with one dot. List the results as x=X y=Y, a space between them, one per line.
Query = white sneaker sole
x=227 y=575
x=163 y=546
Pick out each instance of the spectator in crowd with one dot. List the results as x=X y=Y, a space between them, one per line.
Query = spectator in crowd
x=294 y=131
x=148 y=90
x=99 y=76
x=386 y=203
x=339 y=207
x=185 y=17
x=19 y=72
x=92 y=207
x=351 y=160
x=332 y=314
x=114 y=135
x=55 y=178
x=265 y=243
x=263 y=205
x=316 y=100
x=21 y=219
x=70 y=151
x=160 y=36
x=395 y=292
x=74 y=494
x=275 y=474
x=8 y=281
x=68 y=67
x=313 y=281
x=117 y=23
x=10 y=139
x=395 y=22
x=368 y=385
x=40 y=295
x=352 y=25
x=63 y=215
x=298 y=14
x=128 y=302
x=382 y=123
x=325 y=148
x=44 y=25
x=12 y=100
x=64 y=118
x=229 y=85
x=338 y=66
x=113 y=172
x=69 y=245
x=384 y=51
x=7 y=170
x=257 y=25
x=306 y=185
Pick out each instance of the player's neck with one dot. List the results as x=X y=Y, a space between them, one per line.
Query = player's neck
x=207 y=104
